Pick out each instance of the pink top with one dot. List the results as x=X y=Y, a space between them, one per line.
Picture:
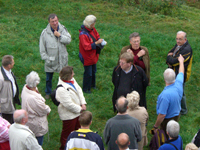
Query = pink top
x=4 y=130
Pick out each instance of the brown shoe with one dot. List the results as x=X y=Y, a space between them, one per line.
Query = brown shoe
x=47 y=96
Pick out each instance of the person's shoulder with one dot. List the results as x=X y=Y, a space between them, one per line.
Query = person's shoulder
x=125 y=48
x=144 y=48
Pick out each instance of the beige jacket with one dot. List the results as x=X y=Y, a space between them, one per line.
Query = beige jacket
x=141 y=114
x=22 y=138
x=53 y=50
x=70 y=100
x=34 y=104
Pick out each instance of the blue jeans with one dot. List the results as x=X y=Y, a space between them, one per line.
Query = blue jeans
x=40 y=139
x=49 y=76
x=89 y=77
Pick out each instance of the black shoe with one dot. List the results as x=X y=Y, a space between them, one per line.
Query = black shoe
x=95 y=88
x=87 y=92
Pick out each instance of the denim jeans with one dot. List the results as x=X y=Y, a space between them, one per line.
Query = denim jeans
x=89 y=77
x=49 y=76
x=40 y=139
x=183 y=102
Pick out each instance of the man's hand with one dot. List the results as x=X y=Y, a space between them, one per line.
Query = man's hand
x=99 y=41
x=56 y=33
x=141 y=53
x=155 y=131
x=170 y=66
x=181 y=59
x=170 y=54
x=130 y=51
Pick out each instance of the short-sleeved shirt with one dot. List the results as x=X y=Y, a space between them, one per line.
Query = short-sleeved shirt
x=169 y=101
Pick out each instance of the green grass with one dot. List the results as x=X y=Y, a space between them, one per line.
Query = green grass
x=21 y=23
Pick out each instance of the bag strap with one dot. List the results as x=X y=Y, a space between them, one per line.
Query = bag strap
x=90 y=35
x=173 y=145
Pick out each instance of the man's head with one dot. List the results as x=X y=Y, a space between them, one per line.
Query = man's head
x=123 y=141
x=85 y=119
x=8 y=62
x=121 y=104
x=181 y=38
x=66 y=73
x=169 y=76
x=173 y=129
x=126 y=60
x=135 y=40
x=53 y=21
x=20 y=116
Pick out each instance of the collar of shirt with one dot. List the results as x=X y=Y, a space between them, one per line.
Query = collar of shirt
x=54 y=30
x=6 y=71
x=129 y=70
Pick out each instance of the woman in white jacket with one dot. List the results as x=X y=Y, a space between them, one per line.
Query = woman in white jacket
x=72 y=103
x=34 y=104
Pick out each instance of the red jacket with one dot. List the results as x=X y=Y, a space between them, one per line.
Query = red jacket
x=87 y=47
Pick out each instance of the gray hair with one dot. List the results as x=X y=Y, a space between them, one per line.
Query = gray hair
x=133 y=100
x=182 y=32
x=169 y=75
x=7 y=60
x=173 y=128
x=134 y=34
x=89 y=20
x=19 y=118
x=121 y=108
x=32 y=79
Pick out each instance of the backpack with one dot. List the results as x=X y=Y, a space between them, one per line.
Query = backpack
x=197 y=139
x=53 y=95
x=157 y=140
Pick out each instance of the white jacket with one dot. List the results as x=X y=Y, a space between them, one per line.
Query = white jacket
x=34 y=104
x=22 y=138
x=70 y=100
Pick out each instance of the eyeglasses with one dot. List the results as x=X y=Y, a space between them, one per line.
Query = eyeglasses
x=178 y=39
x=134 y=42
x=122 y=63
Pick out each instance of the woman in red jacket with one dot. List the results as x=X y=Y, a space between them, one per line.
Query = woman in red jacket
x=88 y=51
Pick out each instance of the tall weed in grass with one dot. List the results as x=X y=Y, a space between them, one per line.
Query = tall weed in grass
x=21 y=23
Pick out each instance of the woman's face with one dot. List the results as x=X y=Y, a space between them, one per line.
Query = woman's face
x=72 y=75
x=92 y=26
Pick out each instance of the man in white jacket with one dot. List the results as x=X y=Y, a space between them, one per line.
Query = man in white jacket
x=20 y=136
x=53 y=41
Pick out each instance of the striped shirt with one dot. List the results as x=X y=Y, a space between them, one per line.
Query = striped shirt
x=4 y=130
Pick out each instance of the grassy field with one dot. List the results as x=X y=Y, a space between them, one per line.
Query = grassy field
x=21 y=23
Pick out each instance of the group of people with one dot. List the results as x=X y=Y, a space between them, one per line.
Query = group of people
x=130 y=78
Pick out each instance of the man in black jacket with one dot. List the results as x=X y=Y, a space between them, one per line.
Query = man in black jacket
x=128 y=77
x=182 y=47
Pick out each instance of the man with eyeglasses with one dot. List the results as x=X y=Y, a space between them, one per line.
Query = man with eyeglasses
x=182 y=47
x=140 y=53
x=128 y=77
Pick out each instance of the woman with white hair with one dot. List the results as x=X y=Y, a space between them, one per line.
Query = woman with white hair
x=34 y=104
x=139 y=113
x=191 y=146
x=89 y=51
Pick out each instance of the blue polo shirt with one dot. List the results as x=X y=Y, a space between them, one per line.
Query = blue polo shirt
x=169 y=101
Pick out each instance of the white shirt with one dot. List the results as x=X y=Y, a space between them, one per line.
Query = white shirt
x=11 y=78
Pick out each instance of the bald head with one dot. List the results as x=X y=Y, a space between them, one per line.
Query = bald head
x=123 y=141
x=20 y=116
x=121 y=104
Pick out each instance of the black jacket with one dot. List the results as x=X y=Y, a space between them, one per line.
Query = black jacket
x=186 y=52
x=139 y=82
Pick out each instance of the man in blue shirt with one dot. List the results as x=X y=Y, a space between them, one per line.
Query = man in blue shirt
x=169 y=101
x=175 y=141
